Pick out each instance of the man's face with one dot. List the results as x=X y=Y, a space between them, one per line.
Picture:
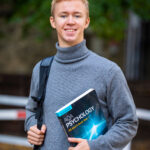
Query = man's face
x=70 y=20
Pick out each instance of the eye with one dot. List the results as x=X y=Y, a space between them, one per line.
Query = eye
x=77 y=16
x=63 y=16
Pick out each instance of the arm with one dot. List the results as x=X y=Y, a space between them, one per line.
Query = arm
x=31 y=105
x=122 y=111
x=35 y=136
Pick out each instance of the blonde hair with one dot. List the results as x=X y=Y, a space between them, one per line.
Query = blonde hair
x=57 y=1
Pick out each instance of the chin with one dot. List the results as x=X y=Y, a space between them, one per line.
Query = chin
x=71 y=41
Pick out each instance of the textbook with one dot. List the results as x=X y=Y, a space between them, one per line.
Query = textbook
x=83 y=117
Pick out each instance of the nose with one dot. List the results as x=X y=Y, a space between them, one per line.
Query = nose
x=70 y=20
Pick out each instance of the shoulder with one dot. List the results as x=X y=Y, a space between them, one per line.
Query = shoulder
x=103 y=68
x=103 y=64
x=36 y=68
x=44 y=62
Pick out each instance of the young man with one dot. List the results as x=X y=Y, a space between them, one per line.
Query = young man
x=74 y=70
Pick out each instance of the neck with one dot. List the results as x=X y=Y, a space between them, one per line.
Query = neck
x=70 y=44
x=72 y=53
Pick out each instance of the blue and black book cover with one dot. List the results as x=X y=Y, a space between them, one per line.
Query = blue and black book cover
x=83 y=117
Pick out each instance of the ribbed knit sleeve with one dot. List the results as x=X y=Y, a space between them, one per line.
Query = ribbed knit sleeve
x=30 y=111
x=122 y=110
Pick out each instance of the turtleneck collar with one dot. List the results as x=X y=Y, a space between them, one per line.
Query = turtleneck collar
x=71 y=54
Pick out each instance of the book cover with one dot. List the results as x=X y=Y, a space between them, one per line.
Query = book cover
x=83 y=117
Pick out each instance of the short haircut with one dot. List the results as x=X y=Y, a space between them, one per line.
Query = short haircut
x=57 y=1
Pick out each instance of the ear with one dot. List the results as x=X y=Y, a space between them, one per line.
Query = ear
x=52 y=22
x=87 y=22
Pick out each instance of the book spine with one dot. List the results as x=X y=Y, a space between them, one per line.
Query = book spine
x=63 y=127
x=67 y=134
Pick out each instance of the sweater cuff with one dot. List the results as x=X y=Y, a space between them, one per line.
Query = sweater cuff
x=99 y=144
x=92 y=145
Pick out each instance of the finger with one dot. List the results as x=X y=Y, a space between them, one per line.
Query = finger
x=35 y=130
x=35 y=143
x=35 y=139
x=32 y=134
x=43 y=129
x=83 y=145
x=70 y=148
x=75 y=140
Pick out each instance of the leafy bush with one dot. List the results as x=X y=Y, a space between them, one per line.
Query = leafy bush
x=108 y=17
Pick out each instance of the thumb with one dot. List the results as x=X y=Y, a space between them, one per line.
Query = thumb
x=75 y=140
x=43 y=129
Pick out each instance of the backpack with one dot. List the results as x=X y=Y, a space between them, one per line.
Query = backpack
x=45 y=66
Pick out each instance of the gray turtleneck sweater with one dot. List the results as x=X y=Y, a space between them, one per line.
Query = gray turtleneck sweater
x=74 y=70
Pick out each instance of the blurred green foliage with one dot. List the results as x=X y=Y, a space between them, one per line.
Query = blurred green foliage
x=142 y=8
x=108 y=17
x=33 y=13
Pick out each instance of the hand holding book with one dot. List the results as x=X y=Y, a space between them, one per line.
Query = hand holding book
x=82 y=144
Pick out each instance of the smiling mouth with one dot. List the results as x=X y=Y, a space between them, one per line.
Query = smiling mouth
x=70 y=30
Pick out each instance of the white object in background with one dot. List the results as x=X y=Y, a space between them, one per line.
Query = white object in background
x=128 y=147
x=143 y=114
x=13 y=100
x=12 y=114
x=14 y=140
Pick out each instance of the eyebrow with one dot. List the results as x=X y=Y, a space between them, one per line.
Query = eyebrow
x=65 y=12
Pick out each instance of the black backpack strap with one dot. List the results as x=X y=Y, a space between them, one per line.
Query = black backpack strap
x=44 y=74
